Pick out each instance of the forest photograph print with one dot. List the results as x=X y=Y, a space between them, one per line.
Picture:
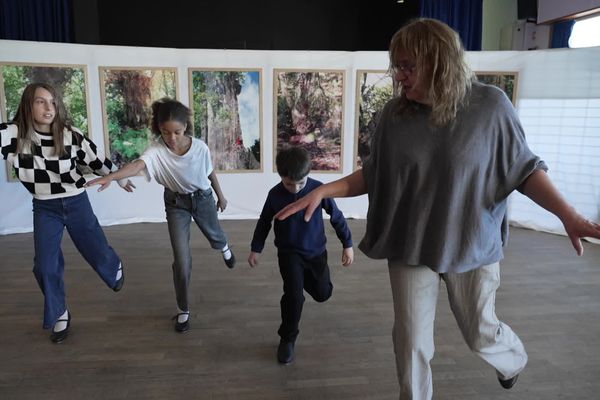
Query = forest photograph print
x=227 y=116
x=127 y=96
x=507 y=81
x=309 y=113
x=373 y=90
x=70 y=81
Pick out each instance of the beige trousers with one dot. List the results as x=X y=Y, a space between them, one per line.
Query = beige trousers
x=472 y=296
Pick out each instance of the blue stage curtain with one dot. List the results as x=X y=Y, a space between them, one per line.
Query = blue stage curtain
x=464 y=16
x=561 y=32
x=38 y=20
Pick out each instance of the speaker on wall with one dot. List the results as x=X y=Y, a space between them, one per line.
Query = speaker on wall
x=527 y=9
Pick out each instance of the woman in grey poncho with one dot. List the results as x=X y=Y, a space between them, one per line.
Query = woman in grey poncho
x=445 y=157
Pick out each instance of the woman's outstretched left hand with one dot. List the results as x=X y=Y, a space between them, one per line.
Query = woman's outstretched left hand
x=578 y=227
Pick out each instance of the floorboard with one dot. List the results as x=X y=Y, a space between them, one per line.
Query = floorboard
x=123 y=346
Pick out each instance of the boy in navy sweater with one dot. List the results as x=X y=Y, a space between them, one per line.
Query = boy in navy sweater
x=300 y=245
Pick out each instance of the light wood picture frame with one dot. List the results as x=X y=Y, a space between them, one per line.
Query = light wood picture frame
x=506 y=80
x=227 y=108
x=69 y=80
x=10 y=173
x=308 y=111
x=374 y=88
x=127 y=94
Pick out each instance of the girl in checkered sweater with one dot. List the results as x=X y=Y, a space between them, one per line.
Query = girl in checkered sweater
x=45 y=153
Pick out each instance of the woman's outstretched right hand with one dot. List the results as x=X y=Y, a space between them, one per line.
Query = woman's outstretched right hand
x=310 y=202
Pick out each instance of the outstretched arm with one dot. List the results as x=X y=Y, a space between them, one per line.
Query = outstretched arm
x=349 y=186
x=221 y=200
x=539 y=188
x=127 y=171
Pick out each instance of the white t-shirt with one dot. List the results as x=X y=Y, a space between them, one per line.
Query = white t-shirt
x=182 y=174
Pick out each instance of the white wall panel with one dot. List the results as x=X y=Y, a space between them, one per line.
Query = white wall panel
x=558 y=100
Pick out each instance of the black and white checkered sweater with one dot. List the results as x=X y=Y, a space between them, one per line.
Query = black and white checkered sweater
x=46 y=175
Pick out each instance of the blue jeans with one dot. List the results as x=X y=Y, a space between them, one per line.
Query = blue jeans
x=50 y=217
x=180 y=209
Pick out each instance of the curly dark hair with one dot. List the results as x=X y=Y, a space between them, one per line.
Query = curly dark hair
x=167 y=109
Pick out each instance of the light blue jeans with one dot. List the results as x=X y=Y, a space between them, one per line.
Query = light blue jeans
x=50 y=217
x=181 y=209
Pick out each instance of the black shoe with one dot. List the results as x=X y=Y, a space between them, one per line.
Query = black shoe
x=57 y=337
x=285 y=352
x=231 y=261
x=508 y=383
x=182 y=327
x=119 y=284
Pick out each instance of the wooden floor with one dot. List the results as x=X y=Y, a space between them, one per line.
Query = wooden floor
x=122 y=345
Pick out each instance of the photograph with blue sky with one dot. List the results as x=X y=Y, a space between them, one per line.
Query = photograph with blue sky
x=227 y=116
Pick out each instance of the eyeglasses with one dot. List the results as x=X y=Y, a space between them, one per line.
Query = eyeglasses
x=406 y=69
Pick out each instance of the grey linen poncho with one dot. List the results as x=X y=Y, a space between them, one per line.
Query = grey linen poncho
x=438 y=196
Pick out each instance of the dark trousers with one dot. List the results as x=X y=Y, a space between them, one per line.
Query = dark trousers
x=300 y=273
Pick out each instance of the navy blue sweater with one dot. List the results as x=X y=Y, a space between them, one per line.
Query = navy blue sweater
x=293 y=233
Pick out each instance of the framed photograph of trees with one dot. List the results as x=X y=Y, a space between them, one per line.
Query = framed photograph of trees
x=227 y=111
x=373 y=89
x=308 y=112
x=69 y=80
x=127 y=94
x=507 y=81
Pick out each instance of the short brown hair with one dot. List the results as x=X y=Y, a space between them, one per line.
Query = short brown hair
x=293 y=163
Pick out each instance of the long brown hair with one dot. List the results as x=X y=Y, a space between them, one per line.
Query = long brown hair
x=440 y=59
x=25 y=120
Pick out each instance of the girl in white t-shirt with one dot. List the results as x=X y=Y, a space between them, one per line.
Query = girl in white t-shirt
x=182 y=164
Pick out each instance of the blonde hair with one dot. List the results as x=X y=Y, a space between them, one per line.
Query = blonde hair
x=439 y=58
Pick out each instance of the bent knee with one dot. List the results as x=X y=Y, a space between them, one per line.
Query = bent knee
x=323 y=296
x=480 y=340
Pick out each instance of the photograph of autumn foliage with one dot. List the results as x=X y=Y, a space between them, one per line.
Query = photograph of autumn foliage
x=227 y=116
x=70 y=81
x=127 y=96
x=308 y=112
x=374 y=89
